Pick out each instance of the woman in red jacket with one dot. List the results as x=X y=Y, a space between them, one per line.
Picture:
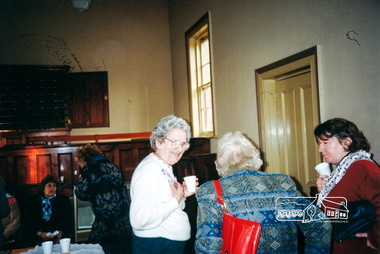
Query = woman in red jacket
x=355 y=177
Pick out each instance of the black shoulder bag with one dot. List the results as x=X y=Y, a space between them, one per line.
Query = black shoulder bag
x=361 y=218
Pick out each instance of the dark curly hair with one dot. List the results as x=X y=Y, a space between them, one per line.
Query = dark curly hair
x=86 y=153
x=341 y=129
x=47 y=179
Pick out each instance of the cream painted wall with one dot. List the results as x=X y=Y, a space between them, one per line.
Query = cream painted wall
x=128 y=39
x=249 y=34
x=146 y=60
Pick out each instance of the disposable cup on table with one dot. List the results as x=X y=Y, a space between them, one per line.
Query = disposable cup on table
x=47 y=247
x=65 y=245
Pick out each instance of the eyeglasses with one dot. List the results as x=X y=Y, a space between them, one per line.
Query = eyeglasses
x=177 y=143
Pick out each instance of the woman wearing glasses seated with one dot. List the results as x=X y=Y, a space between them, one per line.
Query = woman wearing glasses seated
x=159 y=223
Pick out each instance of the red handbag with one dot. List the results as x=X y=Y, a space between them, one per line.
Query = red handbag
x=239 y=236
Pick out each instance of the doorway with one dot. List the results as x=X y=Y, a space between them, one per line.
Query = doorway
x=288 y=113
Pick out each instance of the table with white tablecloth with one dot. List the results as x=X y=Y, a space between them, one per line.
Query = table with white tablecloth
x=75 y=248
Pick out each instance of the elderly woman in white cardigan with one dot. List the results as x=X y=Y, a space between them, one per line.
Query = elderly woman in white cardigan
x=159 y=223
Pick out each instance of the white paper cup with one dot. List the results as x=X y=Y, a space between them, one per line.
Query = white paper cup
x=47 y=247
x=65 y=245
x=323 y=168
x=190 y=183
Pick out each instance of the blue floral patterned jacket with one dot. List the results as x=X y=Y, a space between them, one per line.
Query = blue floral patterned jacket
x=252 y=195
x=102 y=184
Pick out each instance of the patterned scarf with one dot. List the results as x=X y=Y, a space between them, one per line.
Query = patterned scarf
x=46 y=207
x=339 y=172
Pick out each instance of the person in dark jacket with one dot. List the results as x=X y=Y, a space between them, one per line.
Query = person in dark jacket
x=12 y=222
x=4 y=211
x=102 y=183
x=50 y=214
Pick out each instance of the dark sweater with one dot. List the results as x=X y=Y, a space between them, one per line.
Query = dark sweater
x=60 y=219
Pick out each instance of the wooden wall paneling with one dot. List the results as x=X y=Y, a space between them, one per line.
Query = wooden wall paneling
x=12 y=174
x=205 y=167
x=44 y=167
x=184 y=167
x=76 y=173
x=66 y=172
x=199 y=146
x=130 y=155
x=143 y=153
x=109 y=155
x=4 y=170
x=23 y=167
x=201 y=165
x=116 y=157
x=108 y=150
x=20 y=164
x=32 y=175
x=126 y=163
x=54 y=168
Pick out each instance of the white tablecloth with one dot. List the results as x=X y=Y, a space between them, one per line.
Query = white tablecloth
x=75 y=248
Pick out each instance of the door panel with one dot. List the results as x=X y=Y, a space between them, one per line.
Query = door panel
x=296 y=140
x=287 y=96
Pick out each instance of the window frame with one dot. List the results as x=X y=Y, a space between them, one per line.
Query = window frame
x=194 y=36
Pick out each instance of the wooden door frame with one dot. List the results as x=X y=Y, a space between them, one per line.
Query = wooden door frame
x=266 y=75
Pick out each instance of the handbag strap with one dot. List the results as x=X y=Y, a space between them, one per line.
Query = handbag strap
x=219 y=192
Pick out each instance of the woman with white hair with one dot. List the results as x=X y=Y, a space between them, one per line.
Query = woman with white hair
x=251 y=195
x=159 y=223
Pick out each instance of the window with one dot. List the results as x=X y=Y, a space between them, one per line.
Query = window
x=200 y=80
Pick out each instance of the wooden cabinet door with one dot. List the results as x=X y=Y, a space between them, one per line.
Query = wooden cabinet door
x=88 y=100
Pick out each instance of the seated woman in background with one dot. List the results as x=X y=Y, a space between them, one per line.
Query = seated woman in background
x=11 y=223
x=4 y=211
x=250 y=194
x=355 y=177
x=48 y=212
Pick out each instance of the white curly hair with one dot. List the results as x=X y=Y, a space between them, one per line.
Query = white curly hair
x=236 y=152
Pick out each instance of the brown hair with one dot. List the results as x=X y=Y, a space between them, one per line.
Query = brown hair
x=341 y=129
x=47 y=179
x=86 y=153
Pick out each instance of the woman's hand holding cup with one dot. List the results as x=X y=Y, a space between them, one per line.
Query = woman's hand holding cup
x=190 y=185
x=324 y=172
x=321 y=182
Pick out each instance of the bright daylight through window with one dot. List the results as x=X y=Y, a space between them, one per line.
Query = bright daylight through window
x=200 y=81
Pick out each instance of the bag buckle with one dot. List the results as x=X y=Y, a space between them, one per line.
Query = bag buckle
x=222 y=203
x=224 y=208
